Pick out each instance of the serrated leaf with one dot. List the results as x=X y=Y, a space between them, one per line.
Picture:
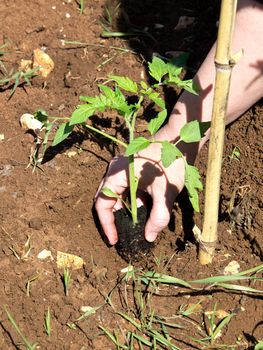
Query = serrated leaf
x=98 y=102
x=157 y=68
x=154 y=96
x=188 y=85
x=173 y=70
x=81 y=114
x=192 y=184
x=62 y=133
x=144 y=85
x=155 y=123
x=120 y=104
x=125 y=83
x=109 y=193
x=169 y=153
x=108 y=92
x=194 y=131
x=137 y=145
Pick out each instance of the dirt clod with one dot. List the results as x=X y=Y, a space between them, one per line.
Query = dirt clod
x=132 y=245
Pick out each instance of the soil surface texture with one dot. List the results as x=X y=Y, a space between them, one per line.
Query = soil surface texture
x=50 y=207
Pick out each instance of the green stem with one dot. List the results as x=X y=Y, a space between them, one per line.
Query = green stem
x=58 y=118
x=132 y=178
x=106 y=135
x=133 y=188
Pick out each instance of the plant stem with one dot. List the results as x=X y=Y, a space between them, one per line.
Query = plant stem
x=133 y=188
x=106 y=135
x=132 y=178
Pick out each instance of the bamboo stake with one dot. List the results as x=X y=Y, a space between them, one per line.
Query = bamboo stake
x=223 y=64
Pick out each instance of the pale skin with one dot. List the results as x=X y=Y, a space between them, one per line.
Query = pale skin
x=162 y=184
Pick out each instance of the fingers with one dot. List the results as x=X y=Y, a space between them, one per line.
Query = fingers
x=116 y=181
x=163 y=200
x=158 y=220
x=104 y=208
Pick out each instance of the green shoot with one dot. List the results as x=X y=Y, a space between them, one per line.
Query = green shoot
x=114 y=338
x=13 y=77
x=18 y=78
x=86 y=314
x=214 y=330
x=144 y=328
x=81 y=6
x=26 y=342
x=66 y=280
x=235 y=154
x=47 y=322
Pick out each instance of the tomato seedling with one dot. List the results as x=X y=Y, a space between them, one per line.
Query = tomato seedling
x=163 y=73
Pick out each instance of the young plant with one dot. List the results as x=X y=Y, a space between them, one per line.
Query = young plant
x=81 y=6
x=17 y=78
x=26 y=342
x=47 y=322
x=163 y=73
x=66 y=278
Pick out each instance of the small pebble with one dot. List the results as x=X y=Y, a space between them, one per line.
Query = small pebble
x=35 y=224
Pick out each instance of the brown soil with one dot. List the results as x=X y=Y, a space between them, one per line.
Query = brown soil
x=52 y=206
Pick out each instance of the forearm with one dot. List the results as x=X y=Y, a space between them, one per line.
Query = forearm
x=246 y=82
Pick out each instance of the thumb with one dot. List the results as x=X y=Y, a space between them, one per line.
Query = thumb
x=158 y=220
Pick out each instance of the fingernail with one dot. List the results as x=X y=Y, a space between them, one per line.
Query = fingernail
x=113 y=242
x=151 y=236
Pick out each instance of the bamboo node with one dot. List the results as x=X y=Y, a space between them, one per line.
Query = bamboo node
x=208 y=247
x=223 y=66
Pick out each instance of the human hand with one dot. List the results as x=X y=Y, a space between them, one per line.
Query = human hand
x=162 y=184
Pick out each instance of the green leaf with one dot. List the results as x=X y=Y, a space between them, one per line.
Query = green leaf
x=98 y=102
x=169 y=153
x=157 y=68
x=125 y=83
x=154 y=96
x=155 y=124
x=192 y=184
x=62 y=133
x=137 y=145
x=166 y=279
x=237 y=287
x=188 y=85
x=120 y=104
x=144 y=85
x=194 y=131
x=41 y=115
x=82 y=113
x=173 y=70
x=109 y=193
x=259 y=346
x=88 y=313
